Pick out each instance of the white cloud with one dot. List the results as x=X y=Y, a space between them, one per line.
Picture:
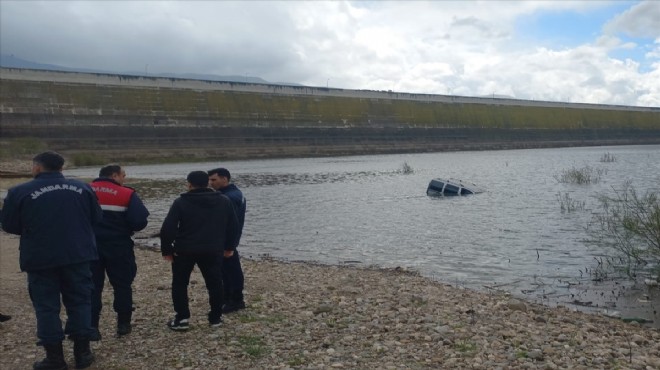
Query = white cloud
x=641 y=20
x=466 y=48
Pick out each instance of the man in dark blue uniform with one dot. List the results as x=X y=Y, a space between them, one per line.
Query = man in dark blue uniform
x=123 y=214
x=232 y=273
x=54 y=217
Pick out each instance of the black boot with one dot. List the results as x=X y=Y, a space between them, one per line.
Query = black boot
x=96 y=335
x=233 y=302
x=82 y=353
x=124 y=323
x=54 y=358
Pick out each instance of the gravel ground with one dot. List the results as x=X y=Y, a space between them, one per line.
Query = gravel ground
x=15 y=166
x=307 y=316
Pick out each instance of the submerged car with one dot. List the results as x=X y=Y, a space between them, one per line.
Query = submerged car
x=444 y=187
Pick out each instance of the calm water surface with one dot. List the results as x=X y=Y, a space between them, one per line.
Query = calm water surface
x=365 y=210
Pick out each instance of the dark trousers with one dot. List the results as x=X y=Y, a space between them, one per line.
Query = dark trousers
x=73 y=285
x=117 y=259
x=211 y=269
x=232 y=278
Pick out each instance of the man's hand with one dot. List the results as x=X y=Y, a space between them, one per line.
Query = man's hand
x=228 y=254
x=169 y=258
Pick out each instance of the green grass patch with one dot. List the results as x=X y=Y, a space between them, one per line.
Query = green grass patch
x=608 y=158
x=253 y=346
x=297 y=361
x=248 y=318
x=21 y=147
x=465 y=346
x=257 y=298
x=406 y=169
x=87 y=159
x=568 y=204
x=580 y=176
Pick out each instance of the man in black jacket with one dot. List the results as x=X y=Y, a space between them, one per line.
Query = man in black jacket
x=200 y=225
x=54 y=217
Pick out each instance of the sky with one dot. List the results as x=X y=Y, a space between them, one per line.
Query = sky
x=601 y=52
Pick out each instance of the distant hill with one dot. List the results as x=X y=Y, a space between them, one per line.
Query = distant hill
x=11 y=61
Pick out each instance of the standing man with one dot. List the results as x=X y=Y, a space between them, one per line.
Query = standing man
x=199 y=227
x=123 y=214
x=232 y=273
x=54 y=217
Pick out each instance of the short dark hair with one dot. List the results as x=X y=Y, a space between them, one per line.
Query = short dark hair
x=222 y=172
x=50 y=161
x=198 y=179
x=109 y=170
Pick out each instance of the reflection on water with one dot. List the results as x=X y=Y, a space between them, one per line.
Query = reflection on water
x=364 y=209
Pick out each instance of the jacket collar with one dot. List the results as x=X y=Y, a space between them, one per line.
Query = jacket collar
x=106 y=179
x=228 y=188
x=49 y=175
x=200 y=190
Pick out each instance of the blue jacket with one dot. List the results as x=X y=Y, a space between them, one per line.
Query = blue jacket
x=54 y=217
x=123 y=211
x=239 y=202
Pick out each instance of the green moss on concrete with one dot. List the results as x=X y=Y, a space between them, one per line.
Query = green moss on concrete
x=238 y=108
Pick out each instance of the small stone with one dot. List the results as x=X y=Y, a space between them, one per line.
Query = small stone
x=535 y=354
x=638 y=339
x=324 y=308
x=444 y=329
x=508 y=334
x=516 y=305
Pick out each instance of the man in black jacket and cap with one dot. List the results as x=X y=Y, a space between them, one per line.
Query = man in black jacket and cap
x=200 y=225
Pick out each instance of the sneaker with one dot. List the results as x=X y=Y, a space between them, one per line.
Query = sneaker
x=179 y=325
x=123 y=328
x=233 y=307
x=214 y=323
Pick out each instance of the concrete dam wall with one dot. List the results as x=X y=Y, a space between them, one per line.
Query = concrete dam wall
x=137 y=118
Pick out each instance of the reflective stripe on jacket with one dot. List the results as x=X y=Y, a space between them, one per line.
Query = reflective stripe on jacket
x=123 y=211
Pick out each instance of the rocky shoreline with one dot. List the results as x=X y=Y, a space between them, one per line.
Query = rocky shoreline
x=307 y=316
x=311 y=316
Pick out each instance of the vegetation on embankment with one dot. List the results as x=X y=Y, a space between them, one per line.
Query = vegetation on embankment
x=41 y=102
x=93 y=120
